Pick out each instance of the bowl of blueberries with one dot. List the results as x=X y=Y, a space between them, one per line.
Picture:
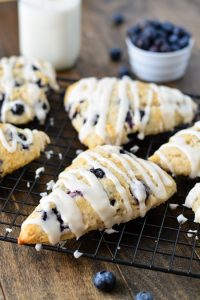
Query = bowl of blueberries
x=158 y=51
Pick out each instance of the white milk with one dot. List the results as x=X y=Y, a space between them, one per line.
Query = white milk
x=50 y=30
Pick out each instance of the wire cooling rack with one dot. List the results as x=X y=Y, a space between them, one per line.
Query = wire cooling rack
x=156 y=242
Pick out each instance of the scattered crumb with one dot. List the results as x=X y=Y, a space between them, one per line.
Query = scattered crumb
x=191 y=233
x=110 y=231
x=50 y=185
x=60 y=156
x=77 y=254
x=38 y=247
x=51 y=121
x=118 y=248
x=181 y=219
x=9 y=230
x=173 y=206
x=49 y=154
x=43 y=194
x=134 y=149
x=39 y=171
x=78 y=151
x=28 y=184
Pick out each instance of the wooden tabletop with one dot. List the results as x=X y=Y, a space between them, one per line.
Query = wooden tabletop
x=27 y=274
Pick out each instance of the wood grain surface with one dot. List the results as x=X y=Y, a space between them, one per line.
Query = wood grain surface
x=26 y=274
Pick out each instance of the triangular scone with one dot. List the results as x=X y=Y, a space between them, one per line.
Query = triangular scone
x=193 y=201
x=181 y=155
x=106 y=111
x=103 y=187
x=18 y=70
x=19 y=147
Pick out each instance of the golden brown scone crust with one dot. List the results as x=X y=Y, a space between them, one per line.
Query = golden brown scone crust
x=11 y=161
x=155 y=124
x=179 y=152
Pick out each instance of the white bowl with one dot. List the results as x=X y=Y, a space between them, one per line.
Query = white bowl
x=156 y=66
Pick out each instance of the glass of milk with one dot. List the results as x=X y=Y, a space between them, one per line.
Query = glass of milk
x=50 y=30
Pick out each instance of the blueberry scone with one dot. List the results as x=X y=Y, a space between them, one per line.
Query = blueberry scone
x=19 y=70
x=106 y=111
x=181 y=155
x=19 y=147
x=193 y=201
x=23 y=104
x=103 y=187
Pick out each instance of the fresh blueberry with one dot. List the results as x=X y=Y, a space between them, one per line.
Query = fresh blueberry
x=173 y=39
x=104 y=281
x=174 y=47
x=35 y=68
x=165 y=48
x=95 y=120
x=118 y=19
x=129 y=119
x=144 y=296
x=183 y=42
x=74 y=115
x=17 y=84
x=124 y=71
x=75 y=193
x=135 y=30
x=44 y=106
x=99 y=173
x=167 y=26
x=115 y=54
x=112 y=202
x=17 y=109
x=22 y=136
x=122 y=151
x=39 y=83
x=149 y=33
x=44 y=216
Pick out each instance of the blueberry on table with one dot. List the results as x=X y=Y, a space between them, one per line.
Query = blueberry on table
x=104 y=281
x=115 y=54
x=118 y=19
x=17 y=109
x=124 y=71
x=144 y=296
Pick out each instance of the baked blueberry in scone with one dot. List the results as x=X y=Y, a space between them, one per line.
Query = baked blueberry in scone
x=19 y=147
x=181 y=155
x=106 y=111
x=20 y=105
x=103 y=187
x=18 y=70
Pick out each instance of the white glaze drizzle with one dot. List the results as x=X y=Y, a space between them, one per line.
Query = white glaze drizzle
x=11 y=146
x=93 y=192
x=191 y=152
x=123 y=109
x=98 y=94
x=27 y=74
x=110 y=175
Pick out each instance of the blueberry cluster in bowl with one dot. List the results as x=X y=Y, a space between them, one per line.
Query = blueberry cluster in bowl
x=157 y=36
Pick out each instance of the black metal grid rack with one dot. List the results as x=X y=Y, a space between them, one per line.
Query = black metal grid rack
x=156 y=242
